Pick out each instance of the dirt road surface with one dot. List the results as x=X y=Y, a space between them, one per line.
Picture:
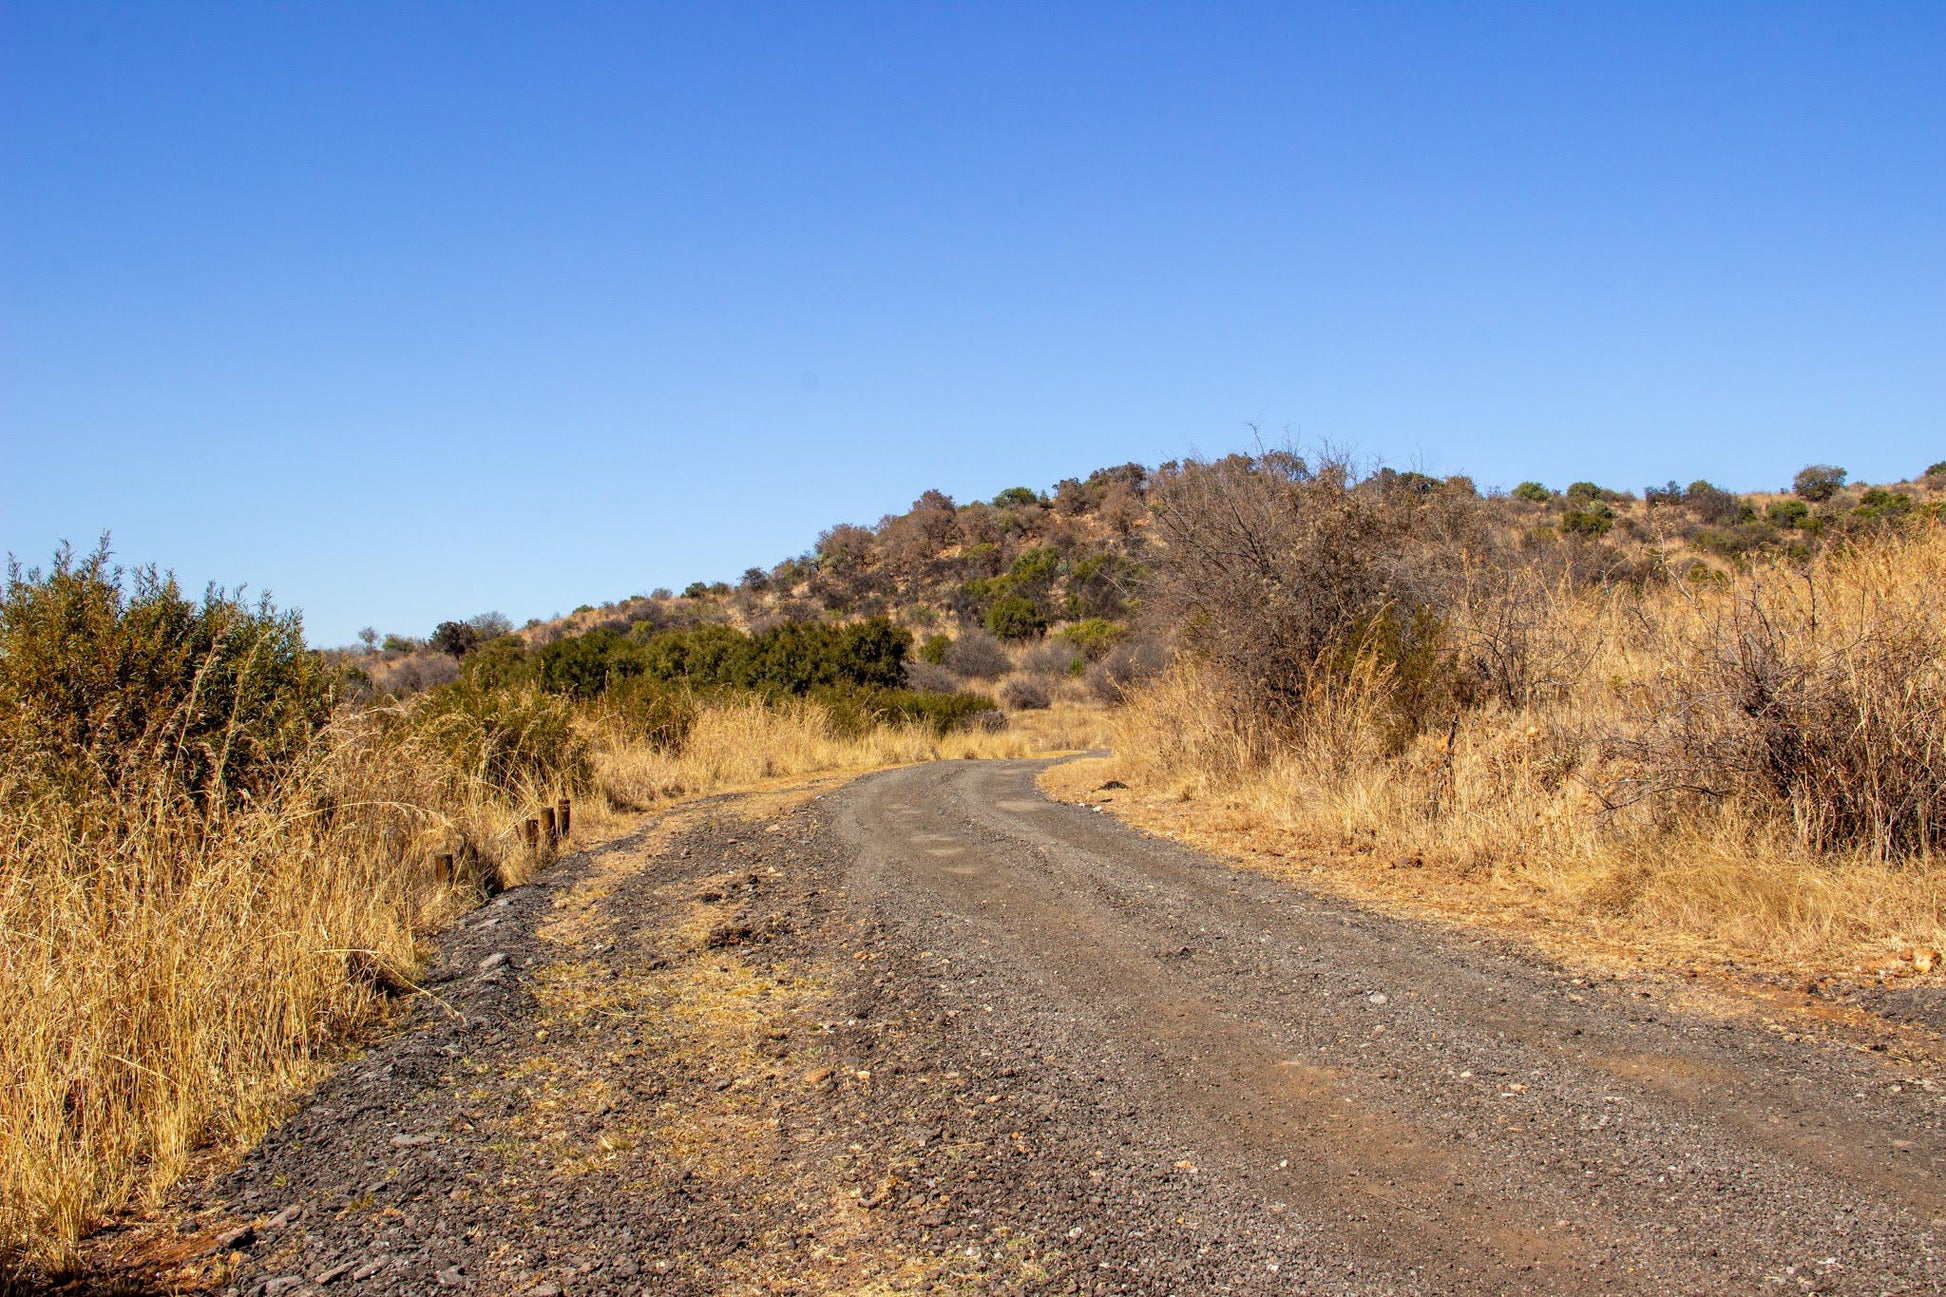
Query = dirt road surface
x=930 y=1032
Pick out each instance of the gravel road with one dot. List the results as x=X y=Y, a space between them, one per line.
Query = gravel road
x=930 y=1032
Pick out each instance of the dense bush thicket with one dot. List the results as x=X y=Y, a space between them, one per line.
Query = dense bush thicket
x=115 y=684
x=652 y=680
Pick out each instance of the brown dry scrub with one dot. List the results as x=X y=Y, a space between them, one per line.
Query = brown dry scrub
x=1752 y=768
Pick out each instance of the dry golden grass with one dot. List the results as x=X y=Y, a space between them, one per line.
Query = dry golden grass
x=1568 y=812
x=171 y=993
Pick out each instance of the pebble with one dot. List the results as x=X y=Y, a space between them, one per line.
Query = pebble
x=333 y=1275
x=283 y=1218
x=450 y=1277
x=282 y=1284
x=493 y=961
x=237 y=1239
x=369 y=1269
x=545 y=1290
x=410 y=1141
x=1378 y=997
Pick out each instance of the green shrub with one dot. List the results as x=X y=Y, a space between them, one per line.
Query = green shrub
x=583 y=666
x=499 y=662
x=1533 y=492
x=933 y=651
x=1878 y=504
x=854 y=711
x=110 y=680
x=1788 y=514
x=1712 y=504
x=797 y=657
x=791 y=658
x=1015 y=617
x=1594 y=520
x=701 y=655
x=1094 y=636
x=1015 y=495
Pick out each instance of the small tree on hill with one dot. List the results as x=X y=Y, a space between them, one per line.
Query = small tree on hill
x=455 y=639
x=1818 y=482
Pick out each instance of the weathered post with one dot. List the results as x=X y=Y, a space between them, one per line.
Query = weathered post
x=531 y=830
x=443 y=862
x=564 y=812
x=549 y=828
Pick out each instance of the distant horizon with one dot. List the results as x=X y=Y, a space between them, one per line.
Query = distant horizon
x=404 y=312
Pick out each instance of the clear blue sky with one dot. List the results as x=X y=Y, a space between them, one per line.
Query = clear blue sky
x=410 y=311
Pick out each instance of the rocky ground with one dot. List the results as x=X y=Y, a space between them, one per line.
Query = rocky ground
x=930 y=1032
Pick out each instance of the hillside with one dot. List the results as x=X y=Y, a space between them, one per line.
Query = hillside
x=1072 y=564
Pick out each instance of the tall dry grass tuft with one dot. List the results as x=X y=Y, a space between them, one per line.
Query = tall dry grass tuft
x=183 y=968
x=1754 y=766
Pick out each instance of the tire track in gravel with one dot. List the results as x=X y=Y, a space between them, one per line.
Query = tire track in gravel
x=929 y=1032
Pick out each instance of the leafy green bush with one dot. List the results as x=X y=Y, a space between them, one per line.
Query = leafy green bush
x=499 y=662
x=1015 y=495
x=1588 y=493
x=792 y=658
x=1878 y=504
x=854 y=710
x=1094 y=636
x=1015 y=617
x=1595 y=519
x=1788 y=514
x=933 y=651
x=110 y=680
x=1099 y=585
x=1712 y=504
x=1533 y=493
x=583 y=666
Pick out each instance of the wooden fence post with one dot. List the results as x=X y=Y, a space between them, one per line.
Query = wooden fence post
x=549 y=829
x=443 y=862
x=532 y=831
x=565 y=814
